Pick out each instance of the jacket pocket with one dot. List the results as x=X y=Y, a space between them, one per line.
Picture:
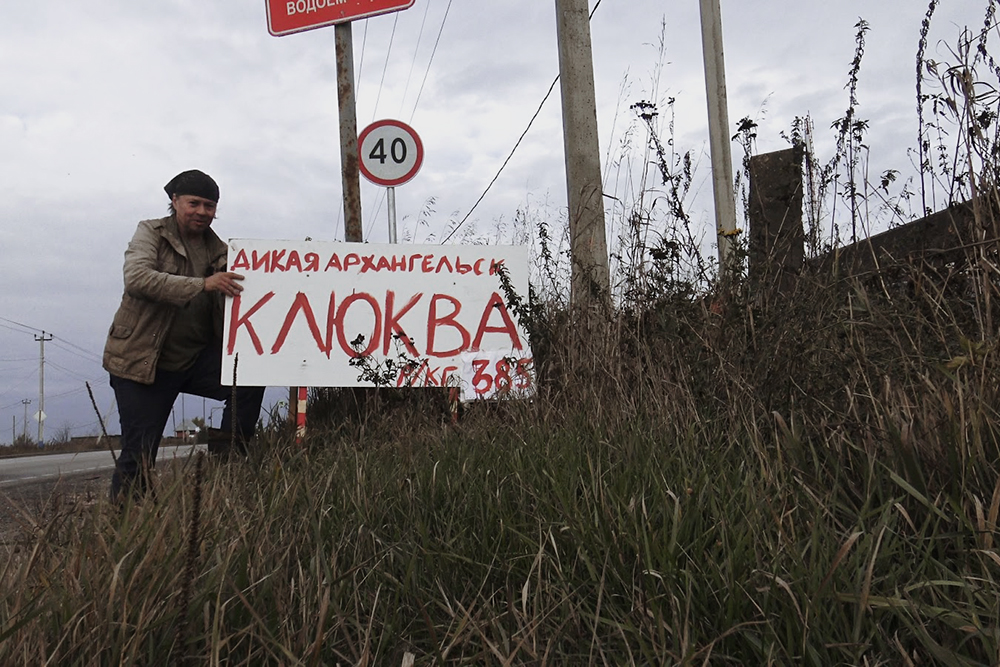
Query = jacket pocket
x=124 y=323
x=172 y=264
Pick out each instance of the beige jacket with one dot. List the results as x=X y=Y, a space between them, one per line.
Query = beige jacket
x=157 y=283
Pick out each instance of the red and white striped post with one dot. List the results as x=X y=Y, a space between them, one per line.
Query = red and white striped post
x=300 y=414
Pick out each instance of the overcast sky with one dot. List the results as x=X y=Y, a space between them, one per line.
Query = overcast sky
x=102 y=102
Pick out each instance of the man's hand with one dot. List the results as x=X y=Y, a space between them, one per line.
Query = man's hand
x=227 y=283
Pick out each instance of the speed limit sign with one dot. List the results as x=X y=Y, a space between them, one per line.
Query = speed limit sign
x=390 y=152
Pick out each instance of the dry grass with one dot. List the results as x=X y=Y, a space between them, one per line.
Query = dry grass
x=812 y=485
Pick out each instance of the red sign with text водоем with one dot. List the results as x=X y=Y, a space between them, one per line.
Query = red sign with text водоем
x=285 y=17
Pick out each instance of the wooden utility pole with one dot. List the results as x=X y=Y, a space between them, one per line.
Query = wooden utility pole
x=588 y=245
x=350 y=178
x=718 y=131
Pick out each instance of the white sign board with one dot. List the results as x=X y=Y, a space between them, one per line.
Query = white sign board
x=324 y=314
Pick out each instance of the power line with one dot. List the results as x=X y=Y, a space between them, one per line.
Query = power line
x=376 y=208
x=380 y=199
x=17 y=384
x=69 y=372
x=505 y=162
x=10 y=405
x=429 y=62
x=361 y=62
x=30 y=330
x=78 y=348
x=71 y=392
x=516 y=145
x=385 y=67
x=82 y=354
x=413 y=60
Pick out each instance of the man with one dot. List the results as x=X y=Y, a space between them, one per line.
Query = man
x=166 y=337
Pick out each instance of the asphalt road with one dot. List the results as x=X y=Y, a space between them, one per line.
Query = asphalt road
x=23 y=469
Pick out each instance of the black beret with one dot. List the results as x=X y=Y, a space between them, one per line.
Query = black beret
x=192 y=182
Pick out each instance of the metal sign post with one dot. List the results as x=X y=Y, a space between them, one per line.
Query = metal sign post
x=285 y=17
x=390 y=198
x=348 y=133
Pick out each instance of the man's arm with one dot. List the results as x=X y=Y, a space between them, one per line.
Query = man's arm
x=144 y=280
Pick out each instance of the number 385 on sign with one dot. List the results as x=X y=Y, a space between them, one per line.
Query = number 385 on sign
x=495 y=375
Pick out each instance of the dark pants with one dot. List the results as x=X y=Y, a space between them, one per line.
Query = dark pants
x=144 y=409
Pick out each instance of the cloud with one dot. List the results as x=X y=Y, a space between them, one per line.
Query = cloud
x=102 y=102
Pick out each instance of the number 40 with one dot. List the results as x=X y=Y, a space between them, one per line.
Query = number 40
x=397 y=151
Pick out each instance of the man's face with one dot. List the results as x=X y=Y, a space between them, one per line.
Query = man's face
x=194 y=214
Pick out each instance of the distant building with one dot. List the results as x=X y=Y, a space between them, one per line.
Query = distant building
x=187 y=431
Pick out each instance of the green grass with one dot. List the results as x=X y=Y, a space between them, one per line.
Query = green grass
x=623 y=531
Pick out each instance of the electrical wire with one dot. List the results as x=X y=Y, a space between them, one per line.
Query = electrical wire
x=77 y=347
x=505 y=162
x=69 y=372
x=18 y=383
x=10 y=405
x=413 y=60
x=380 y=199
x=71 y=392
x=376 y=209
x=385 y=67
x=361 y=62
x=83 y=354
x=516 y=145
x=431 y=61
x=30 y=330
x=90 y=356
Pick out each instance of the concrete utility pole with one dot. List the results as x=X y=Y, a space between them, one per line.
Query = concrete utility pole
x=41 y=385
x=24 y=426
x=588 y=245
x=350 y=172
x=718 y=130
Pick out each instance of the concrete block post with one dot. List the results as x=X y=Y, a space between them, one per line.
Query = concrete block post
x=776 y=234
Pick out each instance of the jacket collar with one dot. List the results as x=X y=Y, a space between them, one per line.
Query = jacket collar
x=172 y=233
